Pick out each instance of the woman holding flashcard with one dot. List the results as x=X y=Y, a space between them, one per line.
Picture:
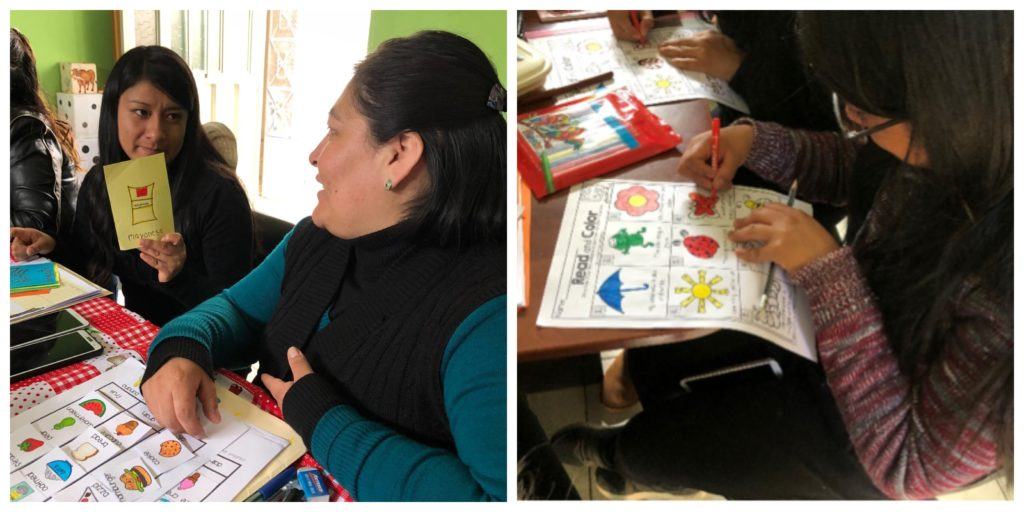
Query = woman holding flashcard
x=150 y=106
x=911 y=397
x=379 y=322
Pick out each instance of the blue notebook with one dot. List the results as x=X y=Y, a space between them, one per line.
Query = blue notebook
x=34 y=276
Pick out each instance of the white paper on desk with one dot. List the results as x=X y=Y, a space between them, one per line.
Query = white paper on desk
x=637 y=255
x=654 y=80
x=67 y=410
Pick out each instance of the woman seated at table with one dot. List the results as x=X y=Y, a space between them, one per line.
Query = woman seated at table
x=151 y=105
x=379 y=322
x=912 y=395
x=43 y=156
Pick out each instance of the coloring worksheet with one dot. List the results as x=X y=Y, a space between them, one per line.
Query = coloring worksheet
x=653 y=79
x=99 y=442
x=643 y=255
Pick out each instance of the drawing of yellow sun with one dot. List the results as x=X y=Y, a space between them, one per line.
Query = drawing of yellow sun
x=702 y=291
x=663 y=83
x=593 y=46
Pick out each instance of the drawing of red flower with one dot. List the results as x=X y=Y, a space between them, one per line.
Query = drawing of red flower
x=637 y=200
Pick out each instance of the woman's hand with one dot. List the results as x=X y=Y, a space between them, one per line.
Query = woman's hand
x=709 y=52
x=29 y=243
x=622 y=25
x=300 y=368
x=167 y=255
x=790 y=237
x=171 y=395
x=733 y=148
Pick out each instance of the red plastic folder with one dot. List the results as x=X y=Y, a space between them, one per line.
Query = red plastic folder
x=572 y=142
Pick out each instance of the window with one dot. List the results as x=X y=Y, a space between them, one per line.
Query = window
x=271 y=77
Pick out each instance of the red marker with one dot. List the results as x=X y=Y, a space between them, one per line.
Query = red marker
x=716 y=125
x=634 y=17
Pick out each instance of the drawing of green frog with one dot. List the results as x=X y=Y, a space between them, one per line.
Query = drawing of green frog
x=623 y=241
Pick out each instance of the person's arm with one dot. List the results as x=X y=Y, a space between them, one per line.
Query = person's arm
x=375 y=463
x=34 y=186
x=915 y=440
x=220 y=331
x=822 y=161
x=226 y=242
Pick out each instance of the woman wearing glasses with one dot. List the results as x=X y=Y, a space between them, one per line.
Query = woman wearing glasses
x=912 y=395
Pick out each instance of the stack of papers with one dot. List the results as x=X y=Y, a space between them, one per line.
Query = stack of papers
x=100 y=442
x=72 y=289
x=34 y=275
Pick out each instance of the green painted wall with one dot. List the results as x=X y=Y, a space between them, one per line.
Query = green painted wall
x=67 y=36
x=485 y=28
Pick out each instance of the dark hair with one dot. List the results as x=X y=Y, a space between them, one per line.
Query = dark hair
x=437 y=84
x=28 y=95
x=166 y=71
x=950 y=231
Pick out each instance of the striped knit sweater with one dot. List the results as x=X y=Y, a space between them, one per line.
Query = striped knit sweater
x=910 y=436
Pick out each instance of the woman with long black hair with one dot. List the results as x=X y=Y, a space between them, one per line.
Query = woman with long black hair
x=43 y=157
x=913 y=315
x=151 y=105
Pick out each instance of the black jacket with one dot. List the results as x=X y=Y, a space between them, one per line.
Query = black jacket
x=43 y=183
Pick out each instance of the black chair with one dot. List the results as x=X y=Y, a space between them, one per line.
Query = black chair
x=269 y=232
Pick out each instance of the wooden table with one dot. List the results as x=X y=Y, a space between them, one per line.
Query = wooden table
x=536 y=343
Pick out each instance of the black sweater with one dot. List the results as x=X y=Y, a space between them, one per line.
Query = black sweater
x=217 y=228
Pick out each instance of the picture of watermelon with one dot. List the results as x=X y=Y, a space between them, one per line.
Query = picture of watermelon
x=94 y=406
x=701 y=246
x=29 y=444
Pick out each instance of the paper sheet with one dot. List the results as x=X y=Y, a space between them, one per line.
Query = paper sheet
x=654 y=80
x=98 y=441
x=140 y=200
x=643 y=255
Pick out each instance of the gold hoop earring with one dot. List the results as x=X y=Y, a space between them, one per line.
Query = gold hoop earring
x=387 y=185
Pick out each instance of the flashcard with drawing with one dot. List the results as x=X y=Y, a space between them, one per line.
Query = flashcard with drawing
x=704 y=294
x=52 y=472
x=92 y=448
x=27 y=445
x=60 y=426
x=195 y=487
x=21 y=491
x=94 y=408
x=119 y=395
x=163 y=452
x=127 y=476
x=86 y=490
x=143 y=413
x=636 y=244
x=125 y=430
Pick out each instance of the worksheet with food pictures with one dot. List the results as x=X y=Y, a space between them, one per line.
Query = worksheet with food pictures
x=637 y=65
x=99 y=442
x=635 y=254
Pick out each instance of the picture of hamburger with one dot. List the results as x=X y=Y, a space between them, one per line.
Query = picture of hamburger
x=136 y=479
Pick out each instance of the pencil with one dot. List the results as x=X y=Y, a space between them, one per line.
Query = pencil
x=716 y=127
x=634 y=17
x=771 y=268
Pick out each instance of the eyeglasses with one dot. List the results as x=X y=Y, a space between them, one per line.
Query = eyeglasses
x=850 y=128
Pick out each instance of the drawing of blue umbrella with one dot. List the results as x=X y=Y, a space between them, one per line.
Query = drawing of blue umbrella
x=611 y=291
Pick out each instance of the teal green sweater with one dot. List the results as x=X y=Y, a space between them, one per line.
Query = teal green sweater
x=372 y=461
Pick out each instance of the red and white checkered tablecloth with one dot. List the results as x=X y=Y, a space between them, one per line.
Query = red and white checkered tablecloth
x=126 y=334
